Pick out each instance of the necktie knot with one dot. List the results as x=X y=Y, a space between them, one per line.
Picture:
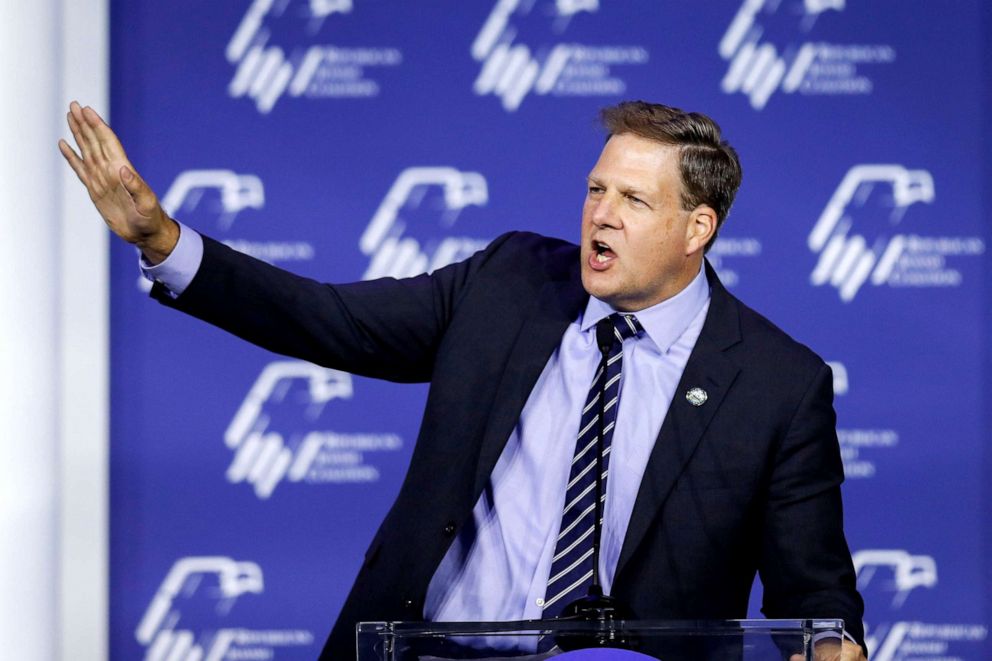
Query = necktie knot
x=625 y=325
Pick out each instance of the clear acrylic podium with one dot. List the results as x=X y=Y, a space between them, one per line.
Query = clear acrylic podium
x=532 y=640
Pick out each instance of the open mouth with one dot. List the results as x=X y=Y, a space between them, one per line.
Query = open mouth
x=603 y=252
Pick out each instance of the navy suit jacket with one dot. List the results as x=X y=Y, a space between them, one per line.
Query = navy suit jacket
x=749 y=481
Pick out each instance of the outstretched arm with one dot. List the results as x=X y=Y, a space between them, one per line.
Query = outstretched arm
x=387 y=328
x=128 y=206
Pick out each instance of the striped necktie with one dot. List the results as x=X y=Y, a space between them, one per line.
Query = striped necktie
x=572 y=564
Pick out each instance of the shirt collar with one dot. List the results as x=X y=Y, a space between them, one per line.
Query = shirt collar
x=663 y=322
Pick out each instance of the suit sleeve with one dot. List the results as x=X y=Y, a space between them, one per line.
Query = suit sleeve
x=385 y=328
x=805 y=564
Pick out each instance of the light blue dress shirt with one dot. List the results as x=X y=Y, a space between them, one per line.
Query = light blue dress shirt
x=497 y=568
x=177 y=270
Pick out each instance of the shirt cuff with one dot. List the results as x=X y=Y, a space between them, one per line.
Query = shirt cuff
x=177 y=270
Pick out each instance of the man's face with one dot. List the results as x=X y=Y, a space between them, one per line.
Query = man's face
x=639 y=246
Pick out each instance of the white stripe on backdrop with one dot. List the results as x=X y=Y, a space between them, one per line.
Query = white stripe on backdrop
x=53 y=340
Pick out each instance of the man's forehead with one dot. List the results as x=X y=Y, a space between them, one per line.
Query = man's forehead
x=637 y=159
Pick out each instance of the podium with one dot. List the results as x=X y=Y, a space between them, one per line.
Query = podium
x=630 y=640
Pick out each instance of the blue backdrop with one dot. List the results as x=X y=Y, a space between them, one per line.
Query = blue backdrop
x=347 y=139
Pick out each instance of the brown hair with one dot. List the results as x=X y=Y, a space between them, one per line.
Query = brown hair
x=711 y=172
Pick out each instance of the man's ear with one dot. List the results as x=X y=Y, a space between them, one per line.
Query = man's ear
x=700 y=229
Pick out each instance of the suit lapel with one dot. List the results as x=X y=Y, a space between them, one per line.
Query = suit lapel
x=558 y=304
x=708 y=368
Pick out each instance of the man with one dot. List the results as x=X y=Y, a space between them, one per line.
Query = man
x=722 y=454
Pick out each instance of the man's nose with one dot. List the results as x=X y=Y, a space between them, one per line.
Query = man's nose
x=606 y=212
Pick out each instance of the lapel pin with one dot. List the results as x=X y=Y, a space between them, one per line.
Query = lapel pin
x=696 y=396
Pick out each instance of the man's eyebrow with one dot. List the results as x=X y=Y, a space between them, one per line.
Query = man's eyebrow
x=627 y=189
x=643 y=194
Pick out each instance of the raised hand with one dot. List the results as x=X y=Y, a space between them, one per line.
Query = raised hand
x=128 y=206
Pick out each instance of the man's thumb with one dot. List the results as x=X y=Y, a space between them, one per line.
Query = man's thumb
x=134 y=186
x=131 y=182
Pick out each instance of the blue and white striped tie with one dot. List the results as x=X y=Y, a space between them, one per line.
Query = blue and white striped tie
x=572 y=565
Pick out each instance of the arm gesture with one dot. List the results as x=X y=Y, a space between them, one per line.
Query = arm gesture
x=128 y=206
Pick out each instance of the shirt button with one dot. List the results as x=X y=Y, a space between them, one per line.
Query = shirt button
x=449 y=529
x=539 y=601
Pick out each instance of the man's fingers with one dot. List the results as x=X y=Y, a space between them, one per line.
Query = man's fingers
x=106 y=139
x=96 y=132
x=93 y=116
x=91 y=167
x=77 y=135
x=76 y=123
x=74 y=161
x=91 y=144
x=93 y=157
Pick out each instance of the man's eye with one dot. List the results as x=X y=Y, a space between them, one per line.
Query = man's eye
x=595 y=190
x=635 y=200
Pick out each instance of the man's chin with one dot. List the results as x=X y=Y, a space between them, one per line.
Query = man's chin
x=596 y=285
